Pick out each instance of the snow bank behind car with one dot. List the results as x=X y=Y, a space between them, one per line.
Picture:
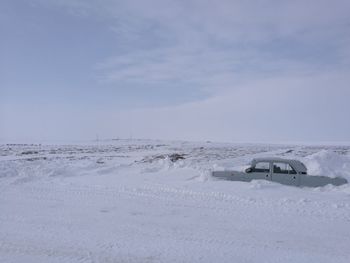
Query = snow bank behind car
x=328 y=163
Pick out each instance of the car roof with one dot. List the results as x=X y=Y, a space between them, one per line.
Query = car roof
x=296 y=164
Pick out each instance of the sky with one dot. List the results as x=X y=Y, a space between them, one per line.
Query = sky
x=235 y=71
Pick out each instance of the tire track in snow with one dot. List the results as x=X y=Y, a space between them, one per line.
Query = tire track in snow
x=174 y=197
x=63 y=254
x=103 y=252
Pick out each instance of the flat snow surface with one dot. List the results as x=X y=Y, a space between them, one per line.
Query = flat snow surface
x=132 y=201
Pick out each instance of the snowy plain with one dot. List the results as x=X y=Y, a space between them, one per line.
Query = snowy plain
x=137 y=201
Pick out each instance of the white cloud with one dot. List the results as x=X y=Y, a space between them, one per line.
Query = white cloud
x=310 y=108
x=274 y=70
x=211 y=46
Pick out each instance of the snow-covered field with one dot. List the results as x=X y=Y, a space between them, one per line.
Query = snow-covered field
x=137 y=201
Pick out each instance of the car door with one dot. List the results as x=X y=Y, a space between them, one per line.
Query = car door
x=283 y=173
x=261 y=170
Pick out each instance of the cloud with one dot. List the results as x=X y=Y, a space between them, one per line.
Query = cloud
x=231 y=25
x=208 y=46
x=242 y=21
x=261 y=71
x=310 y=108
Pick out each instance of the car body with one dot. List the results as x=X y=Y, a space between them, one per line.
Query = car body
x=284 y=171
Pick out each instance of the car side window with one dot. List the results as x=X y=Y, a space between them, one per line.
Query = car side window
x=261 y=167
x=291 y=170
x=283 y=168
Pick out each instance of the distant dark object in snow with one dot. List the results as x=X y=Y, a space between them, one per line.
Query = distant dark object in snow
x=29 y=152
x=36 y=159
x=289 y=151
x=172 y=157
x=175 y=157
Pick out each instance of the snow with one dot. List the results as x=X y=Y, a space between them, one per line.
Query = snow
x=127 y=201
x=329 y=163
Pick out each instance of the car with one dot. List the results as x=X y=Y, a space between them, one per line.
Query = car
x=283 y=171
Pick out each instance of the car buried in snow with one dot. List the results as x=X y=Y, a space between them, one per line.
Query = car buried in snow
x=284 y=171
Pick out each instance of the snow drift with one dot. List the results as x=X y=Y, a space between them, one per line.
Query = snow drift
x=328 y=163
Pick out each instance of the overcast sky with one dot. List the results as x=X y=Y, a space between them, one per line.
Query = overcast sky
x=241 y=71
